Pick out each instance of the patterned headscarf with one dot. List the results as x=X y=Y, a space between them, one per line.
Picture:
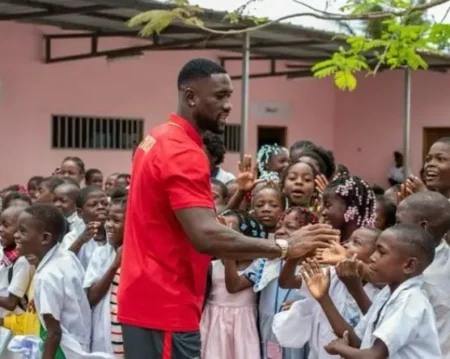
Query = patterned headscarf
x=248 y=225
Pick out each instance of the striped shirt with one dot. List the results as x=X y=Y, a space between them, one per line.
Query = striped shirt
x=116 y=328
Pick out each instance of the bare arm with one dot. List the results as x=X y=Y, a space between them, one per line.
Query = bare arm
x=361 y=297
x=288 y=279
x=236 y=200
x=99 y=289
x=208 y=236
x=54 y=334
x=338 y=323
x=378 y=350
x=351 y=272
x=10 y=302
x=233 y=281
x=90 y=232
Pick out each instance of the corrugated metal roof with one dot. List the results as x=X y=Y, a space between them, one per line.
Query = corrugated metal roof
x=106 y=16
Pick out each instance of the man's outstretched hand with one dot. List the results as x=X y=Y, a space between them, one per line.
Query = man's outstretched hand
x=305 y=241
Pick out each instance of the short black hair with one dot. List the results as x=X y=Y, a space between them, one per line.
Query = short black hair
x=378 y=190
x=125 y=176
x=37 y=179
x=302 y=144
x=13 y=187
x=198 y=69
x=306 y=216
x=389 y=210
x=70 y=180
x=72 y=189
x=84 y=194
x=342 y=170
x=90 y=173
x=215 y=146
x=51 y=218
x=222 y=186
x=119 y=196
x=432 y=207
x=78 y=161
x=52 y=182
x=419 y=241
x=16 y=195
x=324 y=158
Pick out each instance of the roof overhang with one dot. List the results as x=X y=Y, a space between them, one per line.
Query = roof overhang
x=96 y=19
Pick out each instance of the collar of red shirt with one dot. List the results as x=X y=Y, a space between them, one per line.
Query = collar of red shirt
x=188 y=127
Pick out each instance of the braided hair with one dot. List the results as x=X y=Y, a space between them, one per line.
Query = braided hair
x=263 y=157
x=305 y=215
x=359 y=198
x=248 y=225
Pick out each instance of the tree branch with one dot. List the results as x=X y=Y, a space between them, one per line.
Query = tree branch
x=323 y=12
x=445 y=15
x=378 y=15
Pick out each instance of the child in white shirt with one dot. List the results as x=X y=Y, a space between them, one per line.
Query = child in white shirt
x=64 y=198
x=400 y=323
x=91 y=205
x=15 y=271
x=60 y=301
x=432 y=210
x=305 y=322
x=15 y=274
x=102 y=280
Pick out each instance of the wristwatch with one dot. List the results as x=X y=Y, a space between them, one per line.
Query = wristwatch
x=284 y=246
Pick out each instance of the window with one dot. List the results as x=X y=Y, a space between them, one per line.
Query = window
x=232 y=138
x=103 y=133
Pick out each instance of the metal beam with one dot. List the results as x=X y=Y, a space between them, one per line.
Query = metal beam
x=288 y=74
x=244 y=94
x=167 y=46
x=170 y=30
x=49 y=12
x=407 y=123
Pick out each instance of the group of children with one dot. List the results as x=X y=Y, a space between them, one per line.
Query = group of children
x=378 y=292
x=60 y=268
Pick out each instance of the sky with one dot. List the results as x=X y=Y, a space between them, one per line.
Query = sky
x=278 y=8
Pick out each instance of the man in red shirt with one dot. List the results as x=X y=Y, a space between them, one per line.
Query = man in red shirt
x=171 y=228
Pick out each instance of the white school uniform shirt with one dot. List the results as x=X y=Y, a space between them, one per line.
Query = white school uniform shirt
x=76 y=228
x=102 y=259
x=20 y=281
x=305 y=322
x=403 y=321
x=437 y=284
x=58 y=290
x=87 y=251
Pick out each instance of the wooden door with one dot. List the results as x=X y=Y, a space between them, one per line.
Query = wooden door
x=431 y=135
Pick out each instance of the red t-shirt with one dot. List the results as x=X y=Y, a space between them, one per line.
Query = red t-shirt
x=163 y=278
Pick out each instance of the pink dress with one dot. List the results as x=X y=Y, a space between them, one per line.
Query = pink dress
x=229 y=323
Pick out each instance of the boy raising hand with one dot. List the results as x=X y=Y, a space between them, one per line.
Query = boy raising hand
x=400 y=322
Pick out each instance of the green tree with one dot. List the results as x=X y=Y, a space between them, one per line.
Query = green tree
x=396 y=33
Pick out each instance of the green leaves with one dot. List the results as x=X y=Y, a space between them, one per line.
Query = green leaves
x=401 y=42
x=396 y=34
x=342 y=66
x=155 y=21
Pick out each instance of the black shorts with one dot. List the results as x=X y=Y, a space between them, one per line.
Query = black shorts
x=142 y=343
